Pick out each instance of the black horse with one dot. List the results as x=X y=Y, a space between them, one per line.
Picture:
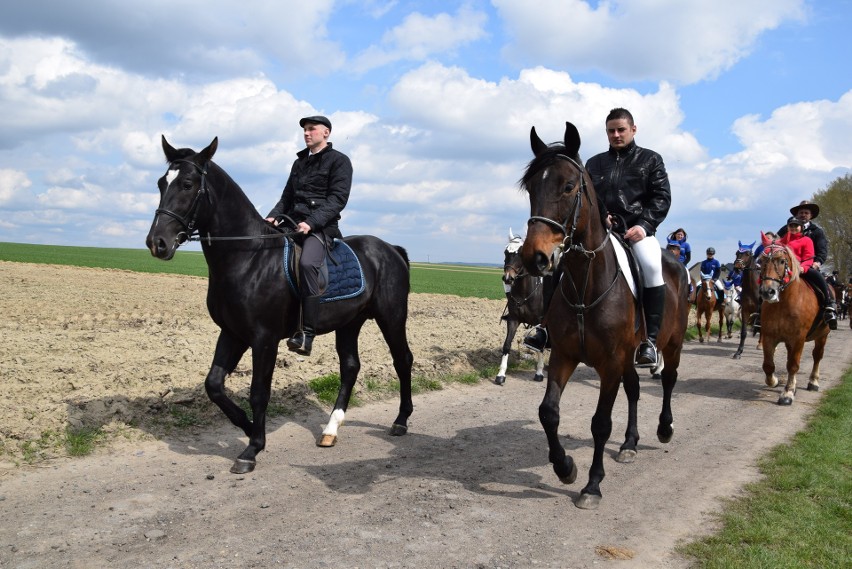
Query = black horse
x=250 y=299
x=524 y=303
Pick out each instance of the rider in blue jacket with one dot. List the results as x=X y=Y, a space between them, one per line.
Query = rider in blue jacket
x=710 y=266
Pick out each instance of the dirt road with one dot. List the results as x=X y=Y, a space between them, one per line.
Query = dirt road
x=469 y=486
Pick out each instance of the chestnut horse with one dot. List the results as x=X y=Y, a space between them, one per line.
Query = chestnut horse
x=745 y=261
x=524 y=303
x=790 y=314
x=593 y=316
x=705 y=305
x=250 y=299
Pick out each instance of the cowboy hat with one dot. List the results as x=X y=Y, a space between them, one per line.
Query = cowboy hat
x=805 y=204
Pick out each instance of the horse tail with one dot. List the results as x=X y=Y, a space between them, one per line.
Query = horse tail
x=404 y=255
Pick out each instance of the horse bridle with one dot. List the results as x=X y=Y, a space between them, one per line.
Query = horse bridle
x=190 y=232
x=788 y=272
x=568 y=245
x=189 y=226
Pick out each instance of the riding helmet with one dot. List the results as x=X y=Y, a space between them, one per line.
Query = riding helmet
x=711 y=251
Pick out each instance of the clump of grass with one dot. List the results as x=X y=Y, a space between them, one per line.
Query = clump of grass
x=82 y=441
x=326 y=388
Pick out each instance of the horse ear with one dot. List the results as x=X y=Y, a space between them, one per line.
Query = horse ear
x=168 y=149
x=764 y=239
x=572 y=139
x=511 y=235
x=207 y=154
x=537 y=144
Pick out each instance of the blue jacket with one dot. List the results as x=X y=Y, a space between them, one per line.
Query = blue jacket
x=711 y=266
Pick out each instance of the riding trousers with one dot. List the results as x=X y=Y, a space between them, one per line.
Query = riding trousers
x=649 y=257
x=310 y=263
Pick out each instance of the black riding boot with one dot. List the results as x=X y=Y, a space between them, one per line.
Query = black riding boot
x=303 y=340
x=539 y=340
x=653 y=301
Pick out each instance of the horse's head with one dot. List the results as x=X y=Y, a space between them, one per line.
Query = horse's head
x=744 y=255
x=183 y=194
x=708 y=287
x=778 y=268
x=512 y=263
x=563 y=207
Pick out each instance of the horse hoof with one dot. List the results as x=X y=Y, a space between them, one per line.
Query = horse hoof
x=242 y=466
x=538 y=377
x=327 y=441
x=588 y=501
x=700 y=340
x=665 y=433
x=785 y=401
x=500 y=379
x=737 y=356
x=397 y=430
x=571 y=476
x=813 y=387
x=626 y=456
x=656 y=376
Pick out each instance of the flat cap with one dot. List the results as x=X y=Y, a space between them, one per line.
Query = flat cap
x=317 y=119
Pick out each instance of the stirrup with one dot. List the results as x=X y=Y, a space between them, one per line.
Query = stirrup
x=536 y=340
x=300 y=343
x=646 y=355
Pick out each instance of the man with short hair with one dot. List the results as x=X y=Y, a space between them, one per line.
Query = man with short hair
x=315 y=194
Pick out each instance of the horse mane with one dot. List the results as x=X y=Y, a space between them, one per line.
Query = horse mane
x=544 y=160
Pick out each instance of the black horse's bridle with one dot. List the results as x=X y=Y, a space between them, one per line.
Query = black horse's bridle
x=785 y=281
x=190 y=231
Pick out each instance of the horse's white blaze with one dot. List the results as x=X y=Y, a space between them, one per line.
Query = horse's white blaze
x=171 y=176
x=545 y=174
x=335 y=422
x=504 y=364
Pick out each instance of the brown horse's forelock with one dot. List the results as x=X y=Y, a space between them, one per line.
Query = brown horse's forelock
x=794 y=265
x=542 y=161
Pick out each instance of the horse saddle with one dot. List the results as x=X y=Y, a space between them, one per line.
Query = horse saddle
x=341 y=275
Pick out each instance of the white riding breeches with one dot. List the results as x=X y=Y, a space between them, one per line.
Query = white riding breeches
x=649 y=255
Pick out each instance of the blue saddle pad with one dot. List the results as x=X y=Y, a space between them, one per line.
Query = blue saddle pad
x=345 y=275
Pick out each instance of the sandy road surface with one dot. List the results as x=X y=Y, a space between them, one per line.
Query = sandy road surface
x=469 y=486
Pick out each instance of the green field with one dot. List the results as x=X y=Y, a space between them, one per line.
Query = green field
x=461 y=280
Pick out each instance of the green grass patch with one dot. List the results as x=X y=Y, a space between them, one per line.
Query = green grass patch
x=799 y=514
x=327 y=387
x=461 y=280
x=82 y=441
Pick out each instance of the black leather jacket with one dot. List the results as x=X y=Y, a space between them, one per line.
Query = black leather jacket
x=317 y=189
x=817 y=235
x=632 y=183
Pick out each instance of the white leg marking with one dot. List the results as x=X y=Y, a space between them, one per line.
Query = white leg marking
x=504 y=363
x=335 y=422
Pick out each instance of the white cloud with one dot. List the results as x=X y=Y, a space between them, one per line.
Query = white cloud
x=683 y=42
x=14 y=186
x=419 y=37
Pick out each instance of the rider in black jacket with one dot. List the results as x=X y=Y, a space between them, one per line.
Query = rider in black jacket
x=632 y=183
x=316 y=192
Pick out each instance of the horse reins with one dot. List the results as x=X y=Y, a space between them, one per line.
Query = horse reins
x=191 y=233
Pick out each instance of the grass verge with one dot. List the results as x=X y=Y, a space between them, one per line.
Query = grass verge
x=798 y=515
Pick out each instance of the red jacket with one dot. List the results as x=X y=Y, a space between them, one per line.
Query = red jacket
x=802 y=247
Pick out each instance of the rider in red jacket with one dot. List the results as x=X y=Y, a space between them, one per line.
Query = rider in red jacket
x=803 y=248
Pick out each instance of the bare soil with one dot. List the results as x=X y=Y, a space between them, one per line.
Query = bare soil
x=469 y=486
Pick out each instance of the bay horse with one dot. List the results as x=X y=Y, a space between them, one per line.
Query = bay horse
x=744 y=260
x=706 y=305
x=593 y=316
x=524 y=303
x=791 y=314
x=250 y=299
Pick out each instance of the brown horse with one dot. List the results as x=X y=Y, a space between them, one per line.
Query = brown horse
x=791 y=314
x=745 y=261
x=705 y=305
x=593 y=316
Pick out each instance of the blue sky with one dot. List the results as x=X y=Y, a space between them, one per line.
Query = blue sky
x=748 y=101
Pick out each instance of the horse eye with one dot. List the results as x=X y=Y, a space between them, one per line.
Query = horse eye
x=187 y=184
x=569 y=187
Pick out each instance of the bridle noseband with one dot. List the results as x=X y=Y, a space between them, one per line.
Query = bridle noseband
x=768 y=252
